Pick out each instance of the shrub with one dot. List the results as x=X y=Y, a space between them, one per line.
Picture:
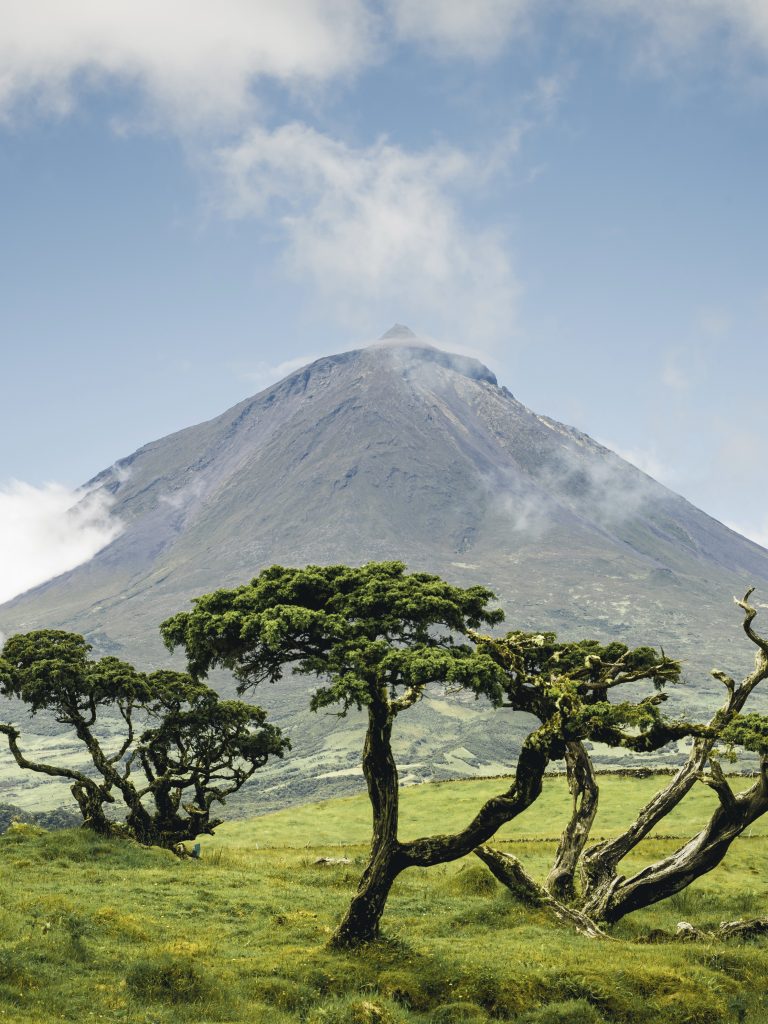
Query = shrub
x=459 y=1013
x=682 y=1008
x=22 y=831
x=169 y=979
x=14 y=971
x=282 y=993
x=357 y=1010
x=572 y=1011
x=474 y=881
x=403 y=988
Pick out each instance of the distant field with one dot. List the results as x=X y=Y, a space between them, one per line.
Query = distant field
x=95 y=930
x=452 y=804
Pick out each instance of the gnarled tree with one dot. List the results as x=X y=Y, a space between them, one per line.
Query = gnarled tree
x=604 y=894
x=163 y=743
x=377 y=637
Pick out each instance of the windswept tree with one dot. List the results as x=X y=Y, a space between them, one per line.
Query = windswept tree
x=587 y=879
x=162 y=743
x=377 y=637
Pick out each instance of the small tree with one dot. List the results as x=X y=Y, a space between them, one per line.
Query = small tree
x=603 y=893
x=377 y=637
x=177 y=751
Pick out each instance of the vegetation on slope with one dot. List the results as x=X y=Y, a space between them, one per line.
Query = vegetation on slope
x=100 y=929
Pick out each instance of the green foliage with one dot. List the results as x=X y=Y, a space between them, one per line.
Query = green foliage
x=194 y=750
x=589 y=664
x=749 y=731
x=360 y=630
x=49 y=670
x=566 y=684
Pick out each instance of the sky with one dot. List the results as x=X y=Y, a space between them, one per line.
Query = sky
x=197 y=198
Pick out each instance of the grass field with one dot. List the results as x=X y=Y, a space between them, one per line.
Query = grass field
x=445 y=806
x=106 y=930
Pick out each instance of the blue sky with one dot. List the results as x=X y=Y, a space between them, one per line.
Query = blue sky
x=197 y=197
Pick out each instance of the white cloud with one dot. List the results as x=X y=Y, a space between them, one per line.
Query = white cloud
x=196 y=60
x=682 y=26
x=200 y=62
x=265 y=373
x=662 y=29
x=478 y=29
x=375 y=228
x=45 y=531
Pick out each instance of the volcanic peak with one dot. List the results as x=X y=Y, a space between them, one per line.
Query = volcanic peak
x=409 y=349
x=398 y=332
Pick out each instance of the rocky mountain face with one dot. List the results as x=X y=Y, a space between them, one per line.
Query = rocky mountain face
x=400 y=450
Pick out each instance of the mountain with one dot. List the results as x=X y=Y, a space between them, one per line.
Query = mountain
x=401 y=450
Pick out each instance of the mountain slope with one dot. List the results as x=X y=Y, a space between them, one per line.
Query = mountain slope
x=400 y=450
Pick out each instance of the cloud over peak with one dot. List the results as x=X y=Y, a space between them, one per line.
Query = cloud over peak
x=374 y=225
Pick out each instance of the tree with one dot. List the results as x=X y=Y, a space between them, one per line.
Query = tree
x=377 y=637
x=162 y=742
x=606 y=895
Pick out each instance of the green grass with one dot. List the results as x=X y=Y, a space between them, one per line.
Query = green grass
x=452 y=804
x=92 y=930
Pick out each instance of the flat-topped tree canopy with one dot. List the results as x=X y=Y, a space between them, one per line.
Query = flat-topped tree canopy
x=373 y=633
x=50 y=669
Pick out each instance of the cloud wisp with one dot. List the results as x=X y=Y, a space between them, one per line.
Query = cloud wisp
x=479 y=30
x=376 y=225
x=48 y=530
x=671 y=28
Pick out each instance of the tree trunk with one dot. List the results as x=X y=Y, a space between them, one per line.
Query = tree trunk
x=510 y=872
x=389 y=857
x=532 y=762
x=697 y=857
x=90 y=795
x=585 y=792
x=361 y=922
x=598 y=865
x=90 y=800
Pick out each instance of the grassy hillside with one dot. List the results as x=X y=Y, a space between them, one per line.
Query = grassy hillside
x=445 y=806
x=96 y=930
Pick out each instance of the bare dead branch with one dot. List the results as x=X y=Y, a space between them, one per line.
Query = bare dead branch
x=510 y=872
x=749 y=615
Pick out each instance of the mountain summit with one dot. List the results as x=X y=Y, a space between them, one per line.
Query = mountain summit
x=401 y=450
x=397 y=332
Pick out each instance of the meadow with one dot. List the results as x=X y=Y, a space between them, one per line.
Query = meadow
x=95 y=929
